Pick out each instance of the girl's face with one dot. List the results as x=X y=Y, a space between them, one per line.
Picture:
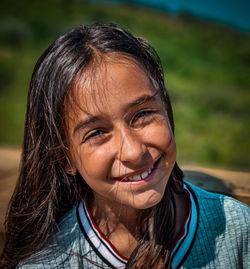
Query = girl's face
x=120 y=137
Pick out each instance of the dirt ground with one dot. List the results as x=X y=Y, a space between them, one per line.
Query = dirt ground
x=233 y=183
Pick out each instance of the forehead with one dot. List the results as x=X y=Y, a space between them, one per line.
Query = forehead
x=110 y=82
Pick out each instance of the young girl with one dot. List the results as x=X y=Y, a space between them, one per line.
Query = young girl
x=99 y=186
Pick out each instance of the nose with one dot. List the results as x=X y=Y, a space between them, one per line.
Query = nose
x=132 y=149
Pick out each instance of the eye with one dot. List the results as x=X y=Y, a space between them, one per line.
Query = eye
x=143 y=114
x=93 y=135
x=143 y=118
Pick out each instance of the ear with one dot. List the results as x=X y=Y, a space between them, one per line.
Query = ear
x=67 y=163
x=70 y=169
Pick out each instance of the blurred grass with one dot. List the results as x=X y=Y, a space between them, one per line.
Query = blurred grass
x=207 y=69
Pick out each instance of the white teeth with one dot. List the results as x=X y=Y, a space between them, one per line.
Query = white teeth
x=142 y=176
x=136 y=178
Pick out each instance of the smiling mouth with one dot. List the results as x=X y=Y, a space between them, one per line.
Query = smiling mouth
x=140 y=177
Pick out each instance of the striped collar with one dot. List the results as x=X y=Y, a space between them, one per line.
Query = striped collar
x=185 y=241
x=108 y=253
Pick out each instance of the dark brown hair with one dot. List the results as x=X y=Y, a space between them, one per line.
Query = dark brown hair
x=44 y=192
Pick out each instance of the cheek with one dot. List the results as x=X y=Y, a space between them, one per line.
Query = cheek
x=162 y=140
x=161 y=136
x=93 y=165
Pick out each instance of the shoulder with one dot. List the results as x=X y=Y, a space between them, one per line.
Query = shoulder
x=60 y=249
x=222 y=211
x=216 y=204
x=68 y=248
x=223 y=231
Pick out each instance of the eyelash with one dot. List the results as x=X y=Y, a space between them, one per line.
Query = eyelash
x=94 y=135
x=141 y=115
x=144 y=114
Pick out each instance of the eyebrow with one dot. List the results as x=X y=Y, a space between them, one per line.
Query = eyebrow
x=141 y=100
x=84 y=123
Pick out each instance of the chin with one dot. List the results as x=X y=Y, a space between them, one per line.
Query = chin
x=147 y=202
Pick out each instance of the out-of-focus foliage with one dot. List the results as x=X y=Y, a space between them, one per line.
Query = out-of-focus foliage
x=207 y=71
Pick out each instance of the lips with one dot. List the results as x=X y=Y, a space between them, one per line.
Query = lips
x=135 y=177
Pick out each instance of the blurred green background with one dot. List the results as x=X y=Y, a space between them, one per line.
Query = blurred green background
x=207 y=71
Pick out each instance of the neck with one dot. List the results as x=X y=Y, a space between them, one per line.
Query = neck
x=111 y=216
x=117 y=222
x=120 y=223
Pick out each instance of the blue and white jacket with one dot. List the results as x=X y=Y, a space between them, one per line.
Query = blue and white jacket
x=215 y=235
